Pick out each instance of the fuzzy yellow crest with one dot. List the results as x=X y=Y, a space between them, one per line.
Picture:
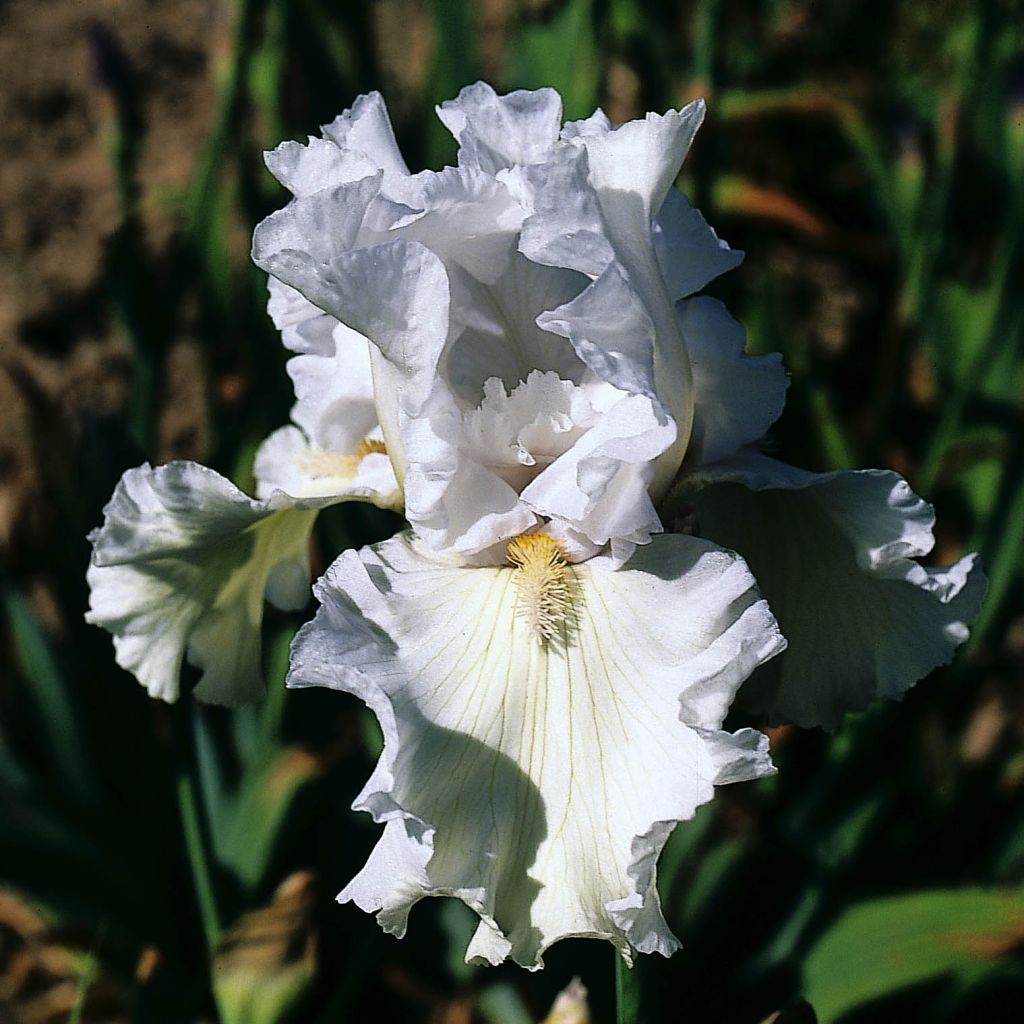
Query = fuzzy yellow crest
x=542 y=584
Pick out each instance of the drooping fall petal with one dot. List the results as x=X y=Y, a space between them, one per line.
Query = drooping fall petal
x=535 y=771
x=836 y=556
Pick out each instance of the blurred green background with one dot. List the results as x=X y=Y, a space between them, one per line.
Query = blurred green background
x=868 y=157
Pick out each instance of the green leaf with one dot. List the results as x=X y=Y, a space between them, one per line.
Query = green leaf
x=562 y=53
x=883 y=945
x=502 y=1004
x=249 y=837
x=53 y=710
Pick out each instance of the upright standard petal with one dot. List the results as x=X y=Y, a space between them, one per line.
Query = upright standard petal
x=357 y=143
x=690 y=254
x=736 y=397
x=495 y=132
x=180 y=569
x=540 y=251
x=836 y=556
x=595 y=203
x=545 y=727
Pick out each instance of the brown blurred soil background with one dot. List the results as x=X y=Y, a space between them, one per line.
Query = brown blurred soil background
x=63 y=351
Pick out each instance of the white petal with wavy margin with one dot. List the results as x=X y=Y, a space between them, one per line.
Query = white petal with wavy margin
x=836 y=556
x=594 y=212
x=304 y=328
x=180 y=569
x=495 y=132
x=537 y=783
x=287 y=462
x=736 y=397
x=366 y=128
x=690 y=254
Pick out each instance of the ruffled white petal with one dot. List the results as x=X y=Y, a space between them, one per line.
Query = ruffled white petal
x=538 y=782
x=836 y=556
x=366 y=129
x=495 y=132
x=338 y=452
x=539 y=251
x=299 y=244
x=304 y=328
x=180 y=568
x=690 y=254
x=640 y=159
x=495 y=333
x=305 y=169
x=594 y=212
x=357 y=143
x=334 y=401
x=600 y=485
x=466 y=217
x=736 y=397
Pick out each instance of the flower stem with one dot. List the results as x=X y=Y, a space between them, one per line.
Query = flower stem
x=632 y=996
x=192 y=827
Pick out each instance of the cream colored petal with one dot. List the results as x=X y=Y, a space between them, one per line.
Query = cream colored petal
x=286 y=462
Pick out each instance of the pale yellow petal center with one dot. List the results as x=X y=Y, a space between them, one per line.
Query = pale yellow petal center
x=319 y=464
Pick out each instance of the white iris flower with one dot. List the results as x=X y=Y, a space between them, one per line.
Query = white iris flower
x=510 y=347
x=551 y=681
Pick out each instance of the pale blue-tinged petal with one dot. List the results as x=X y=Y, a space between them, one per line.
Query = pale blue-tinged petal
x=464 y=216
x=736 y=397
x=594 y=212
x=611 y=330
x=297 y=244
x=537 y=782
x=690 y=254
x=495 y=132
x=180 y=568
x=836 y=555
x=565 y=228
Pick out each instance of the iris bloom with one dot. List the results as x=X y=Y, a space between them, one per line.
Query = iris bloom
x=551 y=671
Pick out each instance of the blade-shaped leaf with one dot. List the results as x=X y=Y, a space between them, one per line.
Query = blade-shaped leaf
x=887 y=944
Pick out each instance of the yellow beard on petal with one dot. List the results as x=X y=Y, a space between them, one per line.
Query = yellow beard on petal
x=543 y=588
x=317 y=463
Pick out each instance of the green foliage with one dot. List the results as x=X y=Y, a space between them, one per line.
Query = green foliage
x=561 y=53
x=883 y=945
